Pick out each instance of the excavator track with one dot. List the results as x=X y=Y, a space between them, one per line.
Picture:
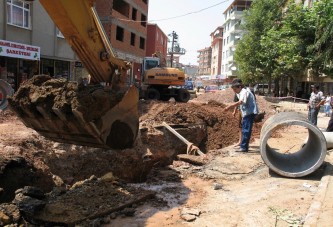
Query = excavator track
x=66 y=112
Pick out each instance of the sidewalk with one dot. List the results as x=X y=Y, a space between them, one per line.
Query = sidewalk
x=321 y=210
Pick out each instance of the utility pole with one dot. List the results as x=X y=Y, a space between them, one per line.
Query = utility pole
x=175 y=49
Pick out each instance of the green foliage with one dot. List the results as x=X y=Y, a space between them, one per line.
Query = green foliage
x=322 y=49
x=285 y=39
x=252 y=58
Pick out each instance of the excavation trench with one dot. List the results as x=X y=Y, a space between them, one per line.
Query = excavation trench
x=63 y=171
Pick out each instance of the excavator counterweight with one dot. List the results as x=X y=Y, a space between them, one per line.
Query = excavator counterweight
x=85 y=114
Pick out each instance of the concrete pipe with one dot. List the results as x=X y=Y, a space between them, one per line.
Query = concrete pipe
x=329 y=139
x=297 y=164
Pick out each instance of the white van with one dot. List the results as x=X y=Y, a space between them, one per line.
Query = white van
x=262 y=88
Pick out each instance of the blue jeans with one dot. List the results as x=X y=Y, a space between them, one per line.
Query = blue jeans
x=313 y=115
x=247 y=124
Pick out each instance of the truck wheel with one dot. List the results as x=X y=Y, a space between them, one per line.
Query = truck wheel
x=152 y=93
x=183 y=96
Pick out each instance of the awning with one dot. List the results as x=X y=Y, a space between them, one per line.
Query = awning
x=19 y=50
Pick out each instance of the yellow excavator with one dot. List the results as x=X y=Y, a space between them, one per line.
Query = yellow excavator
x=162 y=83
x=92 y=115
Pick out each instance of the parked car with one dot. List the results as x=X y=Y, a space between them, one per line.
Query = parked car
x=211 y=88
x=223 y=87
x=262 y=88
x=199 y=84
x=189 y=85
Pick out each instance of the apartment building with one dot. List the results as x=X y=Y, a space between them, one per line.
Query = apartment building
x=30 y=44
x=232 y=33
x=157 y=43
x=216 y=45
x=204 y=61
x=125 y=22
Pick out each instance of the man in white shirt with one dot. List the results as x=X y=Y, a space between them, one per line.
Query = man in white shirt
x=248 y=108
x=316 y=100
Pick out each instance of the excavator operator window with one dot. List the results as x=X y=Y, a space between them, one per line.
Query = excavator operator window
x=151 y=64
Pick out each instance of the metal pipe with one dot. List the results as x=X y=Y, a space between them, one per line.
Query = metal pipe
x=191 y=148
x=298 y=164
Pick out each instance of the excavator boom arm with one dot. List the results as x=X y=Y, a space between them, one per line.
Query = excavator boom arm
x=68 y=112
x=78 y=22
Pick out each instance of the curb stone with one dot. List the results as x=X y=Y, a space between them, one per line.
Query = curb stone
x=315 y=209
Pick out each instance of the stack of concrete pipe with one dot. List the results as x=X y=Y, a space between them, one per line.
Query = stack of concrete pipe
x=307 y=159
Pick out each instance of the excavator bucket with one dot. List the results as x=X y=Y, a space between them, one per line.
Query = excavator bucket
x=66 y=112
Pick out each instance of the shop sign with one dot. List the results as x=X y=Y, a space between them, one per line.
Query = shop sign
x=19 y=50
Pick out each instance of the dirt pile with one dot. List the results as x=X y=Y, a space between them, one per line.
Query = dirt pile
x=60 y=166
x=227 y=96
x=44 y=91
x=65 y=111
x=219 y=125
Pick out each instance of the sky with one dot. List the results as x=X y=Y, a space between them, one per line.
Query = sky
x=192 y=20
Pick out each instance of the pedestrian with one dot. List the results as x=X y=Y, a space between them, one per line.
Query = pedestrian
x=330 y=123
x=248 y=107
x=327 y=105
x=316 y=100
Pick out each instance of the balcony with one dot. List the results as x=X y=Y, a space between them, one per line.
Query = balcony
x=235 y=15
x=235 y=29
x=230 y=58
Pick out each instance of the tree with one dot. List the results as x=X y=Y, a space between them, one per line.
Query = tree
x=290 y=40
x=322 y=49
x=254 y=61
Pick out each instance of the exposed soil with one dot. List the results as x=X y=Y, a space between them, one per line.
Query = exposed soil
x=92 y=186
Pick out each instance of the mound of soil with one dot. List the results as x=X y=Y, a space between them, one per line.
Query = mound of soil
x=203 y=123
x=93 y=101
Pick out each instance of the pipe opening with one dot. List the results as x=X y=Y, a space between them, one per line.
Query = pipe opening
x=285 y=149
x=296 y=157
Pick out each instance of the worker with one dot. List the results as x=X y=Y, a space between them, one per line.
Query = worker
x=316 y=100
x=248 y=107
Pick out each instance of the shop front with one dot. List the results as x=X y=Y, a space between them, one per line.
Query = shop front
x=18 y=62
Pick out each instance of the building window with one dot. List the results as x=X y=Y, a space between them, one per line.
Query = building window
x=145 y=1
x=143 y=20
x=142 y=43
x=134 y=12
x=61 y=69
x=122 y=7
x=18 y=13
x=120 y=34
x=132 y=39
x=59 y=34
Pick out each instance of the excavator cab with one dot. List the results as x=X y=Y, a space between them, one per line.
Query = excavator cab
x=101 y=114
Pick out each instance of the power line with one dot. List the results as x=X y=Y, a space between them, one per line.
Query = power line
x=193 y=12
x=170 y=18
